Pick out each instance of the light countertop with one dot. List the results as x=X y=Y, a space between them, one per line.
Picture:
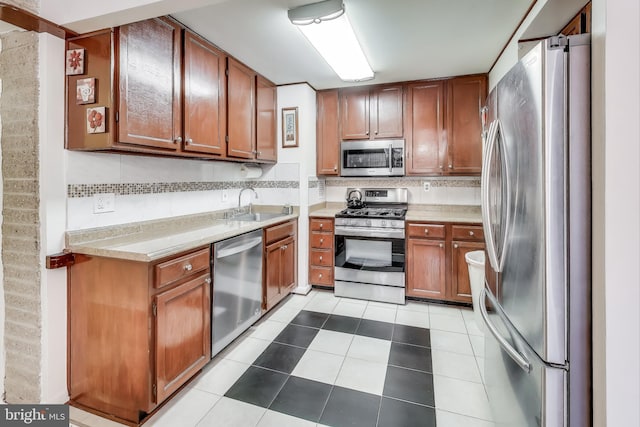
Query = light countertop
x=431 y=213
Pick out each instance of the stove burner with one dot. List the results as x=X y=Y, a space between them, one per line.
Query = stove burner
x=370 y=212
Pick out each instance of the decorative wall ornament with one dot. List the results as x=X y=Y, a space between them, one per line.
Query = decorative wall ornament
x=86 y=91
x=96 y=120
x=290 y=127
x=75 y=62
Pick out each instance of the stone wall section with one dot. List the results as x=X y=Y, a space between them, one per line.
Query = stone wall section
x=20 y=211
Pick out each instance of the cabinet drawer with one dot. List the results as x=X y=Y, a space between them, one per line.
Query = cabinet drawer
x=321 y=240
x=467 y=232
x=321 y=257
x=280 y=231
x=178 y=268
x=321 y=224
x=426 y=231
x=321 y=275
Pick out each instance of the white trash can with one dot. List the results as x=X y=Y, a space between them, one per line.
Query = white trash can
x=475 y=262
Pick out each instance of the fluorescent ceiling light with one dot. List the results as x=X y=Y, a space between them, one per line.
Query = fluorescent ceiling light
x=328 y=29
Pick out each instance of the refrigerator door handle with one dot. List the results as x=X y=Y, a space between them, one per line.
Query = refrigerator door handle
x=484 y=187
x=512 y=352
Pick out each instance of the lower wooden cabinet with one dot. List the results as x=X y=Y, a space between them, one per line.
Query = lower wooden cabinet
x=436 y=264
x=321 y=251
x=280 y=262
x=138 y=331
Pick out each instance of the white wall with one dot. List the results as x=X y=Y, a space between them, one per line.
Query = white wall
x=303 y=97
x=52 y=219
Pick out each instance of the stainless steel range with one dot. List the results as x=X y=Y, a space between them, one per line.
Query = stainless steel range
x=370 y=246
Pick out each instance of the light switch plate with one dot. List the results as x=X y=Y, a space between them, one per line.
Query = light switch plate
x=104 y=202
x=426 y=185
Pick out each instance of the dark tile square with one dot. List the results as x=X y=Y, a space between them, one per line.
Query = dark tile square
x=395 y=413
x=312 y=319
x=350 y=408
x=257 y=386
x=375 y=329
x=280 y=357
x=410 y=356
x=300 y=336
x=302 y=398
x=412 y=335
x=345 y=324
x=409 y=385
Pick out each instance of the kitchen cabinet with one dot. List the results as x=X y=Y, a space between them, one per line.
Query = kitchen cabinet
x=321 y=252
x=426 y=261
x=327 y=133
x=436 y=264
x=137 y=331
x=205 y=119
x=580 y=24
x=280 y=262
x=165 y=91
x=443 y=126
x=371 y=112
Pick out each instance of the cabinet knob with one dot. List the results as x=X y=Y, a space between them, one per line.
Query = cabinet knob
x=441 y=167
x=426 y=231
x=320 y=257
x=207 y=280
x=188 y=267
x=470 y=233
x=450 y=166
x=335 y=168
x=455 y=245
x=441 y=245
x=178 y=140
x=321 y=225
x=320 y=276
x=376 y=132
x=367 y=133
x=259 y=153
x=189 y=141
x=321 y=241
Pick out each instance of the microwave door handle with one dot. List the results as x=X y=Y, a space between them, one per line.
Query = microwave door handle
x=484 y=190
x=390 y=157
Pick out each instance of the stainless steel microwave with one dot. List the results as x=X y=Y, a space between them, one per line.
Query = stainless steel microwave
x=372 y=158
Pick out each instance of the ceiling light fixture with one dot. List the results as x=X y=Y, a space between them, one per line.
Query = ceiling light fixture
x=326 y=26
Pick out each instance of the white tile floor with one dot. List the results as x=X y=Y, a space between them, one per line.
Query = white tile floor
x=457 y=349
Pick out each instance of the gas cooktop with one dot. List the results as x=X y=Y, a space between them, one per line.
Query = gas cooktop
x=373 y=212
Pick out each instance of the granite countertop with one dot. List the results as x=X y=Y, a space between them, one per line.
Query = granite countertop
x=153 y=240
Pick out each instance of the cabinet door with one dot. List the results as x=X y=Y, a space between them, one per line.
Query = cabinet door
x=288 y=265
x=460 y=285
x=426 y=272
x=204 y=97
x=273 y=274
x=328 y=137
x=424 y=116
x=464 y=128
x=386 y=112
x=183 y=334
x=266 y=140
x=149 y=84
x=240 y=110
x=354 y=113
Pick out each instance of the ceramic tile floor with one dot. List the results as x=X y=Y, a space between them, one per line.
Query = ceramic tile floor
x=318 y=360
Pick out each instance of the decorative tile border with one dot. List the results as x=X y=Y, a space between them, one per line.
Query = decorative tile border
x=126 y=189
x=403 y=182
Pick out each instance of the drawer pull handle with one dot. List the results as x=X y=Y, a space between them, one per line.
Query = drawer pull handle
x=471 y=233
x=207 y=280
x=178 y=140
x=321 y=241
x=320 y=257
x=188 y=267
x=321 y=225
x=455 y=245
x=441 y=245
x=426 y=231
x=320 y=276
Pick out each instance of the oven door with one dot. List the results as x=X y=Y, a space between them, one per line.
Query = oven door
x=371 y=260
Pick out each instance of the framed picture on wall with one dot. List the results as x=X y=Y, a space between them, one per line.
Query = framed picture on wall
x=290 y=127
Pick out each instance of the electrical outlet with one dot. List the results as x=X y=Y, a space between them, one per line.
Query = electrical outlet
x=225 y=196
x=104 y=202
x=426 y=185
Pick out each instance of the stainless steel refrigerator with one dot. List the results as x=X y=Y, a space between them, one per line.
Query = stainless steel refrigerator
x=536 y=304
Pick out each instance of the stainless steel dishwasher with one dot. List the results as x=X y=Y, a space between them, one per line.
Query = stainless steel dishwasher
x=237 y=287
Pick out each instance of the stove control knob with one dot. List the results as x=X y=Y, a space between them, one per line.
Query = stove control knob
x=384 y=223
x=368 y=223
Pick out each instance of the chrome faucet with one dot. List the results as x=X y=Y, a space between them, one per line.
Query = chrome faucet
x=240 y=197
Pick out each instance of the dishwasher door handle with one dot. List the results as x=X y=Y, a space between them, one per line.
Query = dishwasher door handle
x=234 y=250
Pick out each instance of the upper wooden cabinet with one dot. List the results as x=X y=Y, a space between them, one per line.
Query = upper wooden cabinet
x=371 y=112
x=443 y=126
x=205 y=102
x=580 y=24
x=164 y=91
x=327 y=133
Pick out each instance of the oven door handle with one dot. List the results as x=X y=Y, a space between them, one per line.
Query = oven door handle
x=377 y=232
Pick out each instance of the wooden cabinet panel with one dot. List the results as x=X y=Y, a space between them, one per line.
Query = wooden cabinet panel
x=280 y=231
x=321 y=240
x=175 y=269
x=280 y=261
x=321 y=224
x=327 y=133
x=150 y=79
x=321 y=257
x=426 y=268
x=240 y=110
x=321 y=275
x=205 y=118
x=354 y=113
x=386 y=112
x=467 y=232
x=288 y=260
x=460 y=284
x=183 y=334
x=266 y=140
x=426 y=231
x=464 y=128
x=424 y=116
x=273 y=267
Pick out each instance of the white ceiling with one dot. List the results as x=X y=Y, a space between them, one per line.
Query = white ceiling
x=403 y=39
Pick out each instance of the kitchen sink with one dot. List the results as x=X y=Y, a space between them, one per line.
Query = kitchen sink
x=258 y=216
